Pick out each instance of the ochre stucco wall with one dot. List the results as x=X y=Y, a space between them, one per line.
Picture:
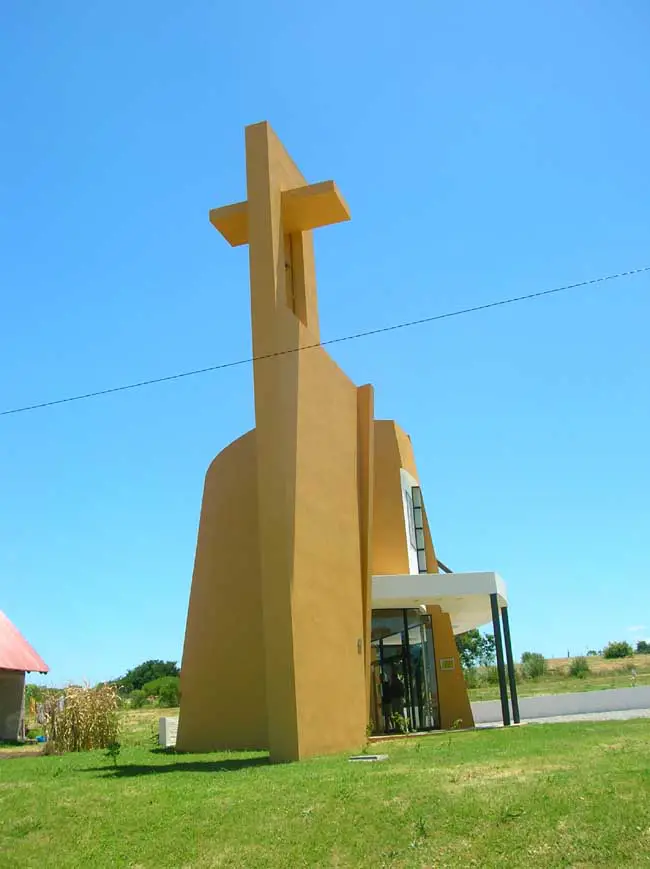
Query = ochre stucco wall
x=222 y=673
x=308 y=504
x=327 y=600
x=366 y=482
x=389 y=552
x=452 y=691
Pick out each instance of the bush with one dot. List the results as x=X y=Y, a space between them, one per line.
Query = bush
x=579 y=667
x=170 y=696
x=80 y=719
x=472 y=679
x=643 y=647
x=137 y=698
x=33 y=732
x=491 y=675
x=618 y=650
x=533 y=665
x=166 y=689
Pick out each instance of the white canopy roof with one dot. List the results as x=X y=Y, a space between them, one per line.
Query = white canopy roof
x=465 y=596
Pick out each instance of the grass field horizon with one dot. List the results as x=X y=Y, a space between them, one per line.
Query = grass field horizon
x=603 y=673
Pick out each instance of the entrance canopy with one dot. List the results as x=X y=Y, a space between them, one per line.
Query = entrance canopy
x=465 y=596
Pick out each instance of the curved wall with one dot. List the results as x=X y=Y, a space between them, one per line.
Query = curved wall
x=223 y=694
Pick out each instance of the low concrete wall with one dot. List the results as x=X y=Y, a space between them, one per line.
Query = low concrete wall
x=552 y=705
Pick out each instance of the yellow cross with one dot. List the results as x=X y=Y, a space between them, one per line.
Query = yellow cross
x=303 y=208
x=276 y=222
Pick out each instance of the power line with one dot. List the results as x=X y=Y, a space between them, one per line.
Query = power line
x=366 y=334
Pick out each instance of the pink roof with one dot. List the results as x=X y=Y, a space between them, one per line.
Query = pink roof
x=15 y=651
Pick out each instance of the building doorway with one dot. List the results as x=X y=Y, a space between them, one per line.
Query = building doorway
x=404 y=691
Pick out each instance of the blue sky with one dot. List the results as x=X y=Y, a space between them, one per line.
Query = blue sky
x=485 y=150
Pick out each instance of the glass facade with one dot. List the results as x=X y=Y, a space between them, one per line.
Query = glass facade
x=404 y=693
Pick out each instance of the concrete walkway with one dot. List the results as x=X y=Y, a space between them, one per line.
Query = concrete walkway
x=622 y=715
x=625 y=715
x=585 y=705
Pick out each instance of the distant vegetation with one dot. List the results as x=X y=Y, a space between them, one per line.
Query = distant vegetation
x=39 y=693
x=536 y=675
x=614 y=650
x=152 y=682
x=149 y=671
x=476 y=649
x=618 y=650
x=562 y=675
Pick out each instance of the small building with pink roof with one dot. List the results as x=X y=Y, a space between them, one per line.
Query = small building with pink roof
x=17 y=657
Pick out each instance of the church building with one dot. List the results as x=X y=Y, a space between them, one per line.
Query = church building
x=319 y=611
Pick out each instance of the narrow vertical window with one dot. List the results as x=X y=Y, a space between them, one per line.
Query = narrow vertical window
x=294 y=275
x=418 y=523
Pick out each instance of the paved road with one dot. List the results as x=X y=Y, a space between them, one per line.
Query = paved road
x=560 y=706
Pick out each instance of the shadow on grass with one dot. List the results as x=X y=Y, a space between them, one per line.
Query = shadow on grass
x=130 y=770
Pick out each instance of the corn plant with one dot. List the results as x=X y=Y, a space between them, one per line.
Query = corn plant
x=81 y=718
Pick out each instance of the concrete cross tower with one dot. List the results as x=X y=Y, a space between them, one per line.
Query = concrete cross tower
x=279 y=612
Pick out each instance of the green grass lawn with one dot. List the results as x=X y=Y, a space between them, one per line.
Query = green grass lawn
x=540 y=795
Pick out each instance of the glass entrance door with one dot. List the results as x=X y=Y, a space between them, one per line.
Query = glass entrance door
x=404 y=690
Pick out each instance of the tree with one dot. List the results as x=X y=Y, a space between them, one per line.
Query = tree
x=137 y=678
x=476 y=649
x=488 y=650
x=618 y=650
x=37 y=693
x=468 y=648
x=643 y=647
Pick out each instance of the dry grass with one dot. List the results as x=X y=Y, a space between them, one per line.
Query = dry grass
x=597 y=664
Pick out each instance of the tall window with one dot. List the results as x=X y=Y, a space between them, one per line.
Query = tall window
x=410 y=519
x=294 y=275
x=418 y=521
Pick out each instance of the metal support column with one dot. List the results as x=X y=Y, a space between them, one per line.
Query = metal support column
x=501 y=669
x=408 y=675
x=512 y=673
